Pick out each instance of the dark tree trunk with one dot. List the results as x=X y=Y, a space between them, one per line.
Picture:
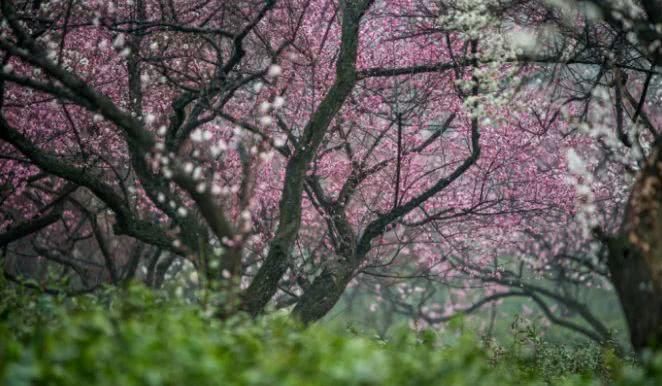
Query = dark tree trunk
x=265 y=282
x=635 y=257
x=324 y=293
x=641 y=302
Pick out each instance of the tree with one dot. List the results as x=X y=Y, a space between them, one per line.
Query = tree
x=633 y=251
x=288 y=148
x=608 y=71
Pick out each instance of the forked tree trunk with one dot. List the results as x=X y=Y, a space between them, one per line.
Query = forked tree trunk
x=324 y=292
x=265 y=283
x=635 y=257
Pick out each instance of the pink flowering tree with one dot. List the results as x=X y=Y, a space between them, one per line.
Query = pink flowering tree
x=289 y=149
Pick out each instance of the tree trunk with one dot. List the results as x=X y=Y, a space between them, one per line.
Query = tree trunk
x=635 y=257
x=265 y=282
x=324 y=292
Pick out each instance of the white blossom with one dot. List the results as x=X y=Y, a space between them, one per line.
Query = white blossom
x=215 y=151
x=266 y=120
x=280 y=141
x=575 y=163
x=222 y=145
x=274 y=70
x=196 y=135
x=119 y=41
x=150 y=118
x=264 y=107
x=279 y=102
x=197 y=173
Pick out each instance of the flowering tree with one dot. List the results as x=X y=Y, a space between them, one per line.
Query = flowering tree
x=609 y=76
x=290 y=148
x=633 y=252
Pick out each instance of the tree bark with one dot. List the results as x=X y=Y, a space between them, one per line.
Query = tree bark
x=265 y=284
x=635 y=257
x=323 y=293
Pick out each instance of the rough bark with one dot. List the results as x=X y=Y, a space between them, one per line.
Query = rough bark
x=635 y=257
x=324 y=293
x=265 y=283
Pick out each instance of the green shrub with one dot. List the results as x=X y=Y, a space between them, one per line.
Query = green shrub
x=137 y=337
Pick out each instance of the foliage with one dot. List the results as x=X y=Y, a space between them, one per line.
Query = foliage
x=138 y=337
